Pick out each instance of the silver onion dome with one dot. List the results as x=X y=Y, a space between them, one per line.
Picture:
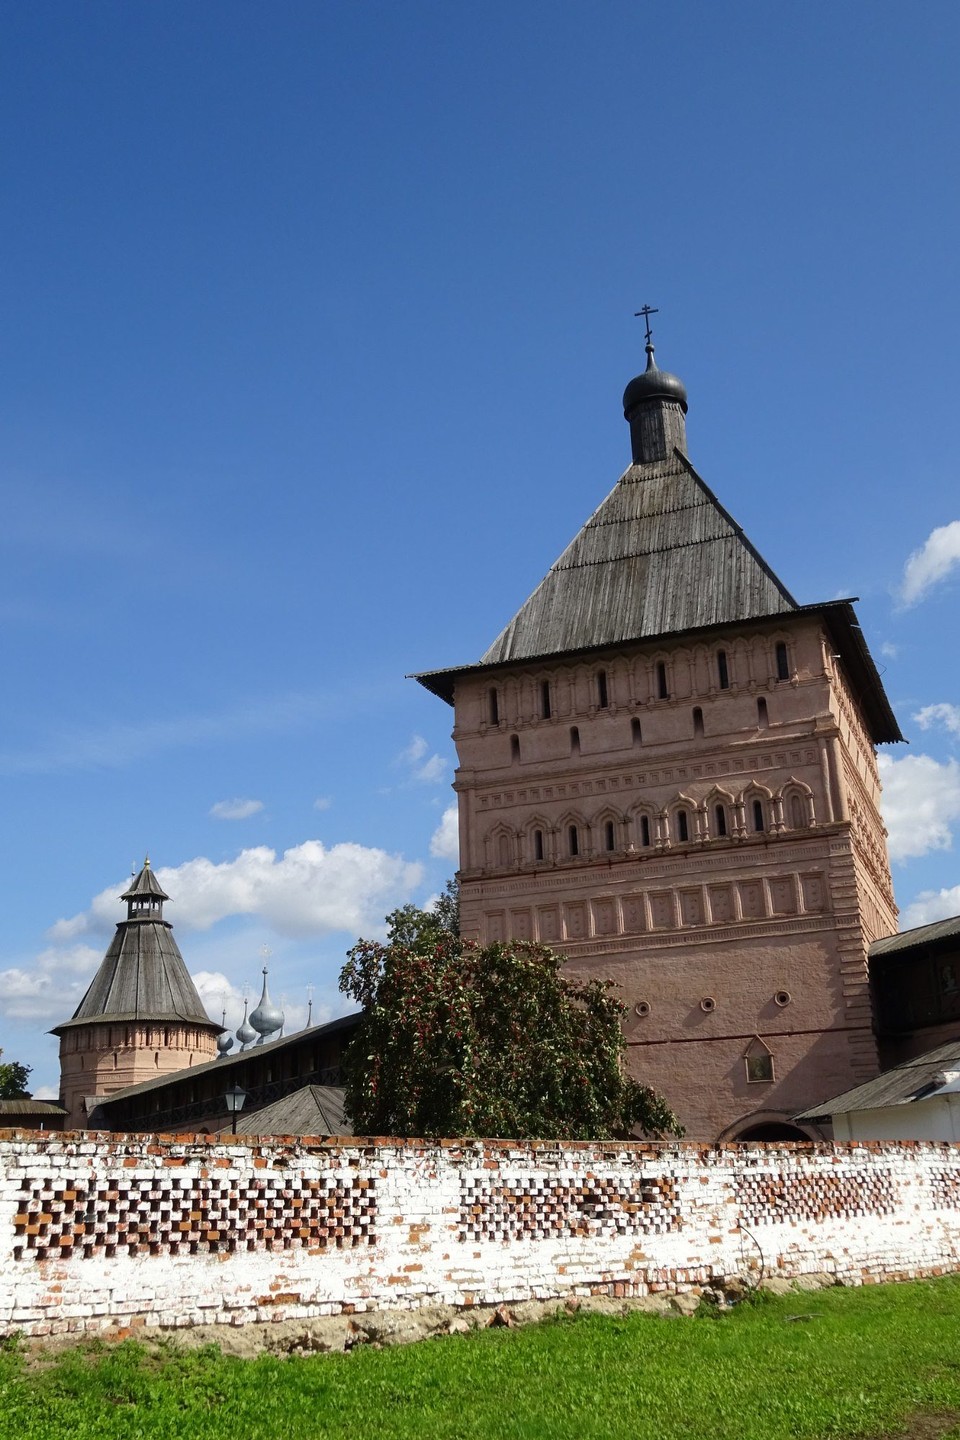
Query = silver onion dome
x=224 y=1039
x=267 y=1019
x=246 y=1033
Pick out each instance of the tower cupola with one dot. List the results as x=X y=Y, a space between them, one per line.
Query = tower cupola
x=654 y=405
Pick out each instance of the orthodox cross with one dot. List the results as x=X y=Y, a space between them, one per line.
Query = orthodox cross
x=645 y=313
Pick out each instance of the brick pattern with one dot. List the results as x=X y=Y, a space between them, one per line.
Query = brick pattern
x=59 y=1217
x=778 y=1196
x=525 y=1209
x=945 y=1188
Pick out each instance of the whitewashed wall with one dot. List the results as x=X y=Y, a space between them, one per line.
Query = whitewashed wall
x=96 y=1232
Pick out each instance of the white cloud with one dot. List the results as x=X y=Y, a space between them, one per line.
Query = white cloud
x=889 y=651
x=942 y=714
x=46 y=1092
x=931 y=905
x=426 y=769
x=323 y=802
x=921 y=798
x=933 y=562
x=53 y=985
x=308 y=890
x=236 y=808
x=445 y=840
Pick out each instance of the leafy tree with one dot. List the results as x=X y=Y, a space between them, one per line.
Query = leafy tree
x=463 y=1039
x=13 y=1080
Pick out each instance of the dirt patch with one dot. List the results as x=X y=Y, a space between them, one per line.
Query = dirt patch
x=925 y=1427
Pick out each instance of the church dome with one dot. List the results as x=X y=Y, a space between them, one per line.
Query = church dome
x=653 y=384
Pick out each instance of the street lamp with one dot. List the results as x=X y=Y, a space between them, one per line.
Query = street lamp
x=235 y=1098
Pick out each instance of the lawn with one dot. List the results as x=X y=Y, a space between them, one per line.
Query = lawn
x=870 y=1362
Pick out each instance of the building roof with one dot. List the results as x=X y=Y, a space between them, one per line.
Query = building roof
x=912 y=1080
x=146 y=883
x=660 y=555
x=141 y=977
x=917 y=938
x=311 y=1110
x=30 y=1107
x=227 y=1064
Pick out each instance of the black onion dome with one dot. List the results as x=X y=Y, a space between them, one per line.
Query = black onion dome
x=653 y=384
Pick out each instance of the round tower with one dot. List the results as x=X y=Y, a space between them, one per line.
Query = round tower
x=141 y=1016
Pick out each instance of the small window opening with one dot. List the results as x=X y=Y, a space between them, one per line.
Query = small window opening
x=538 y=844
x=602 y=700
x=683 y=827
x=783 y=665
x=545 y=710
x=721 y=818
x=759 y=1068
x=796 y=812
x=758 y=824
x=574 y=740
x=662 y=692
x=644 y=831
x=723 y=674
x=608 y=835
x=636 y=731
x=573 y=837
x=763 y=719
x=697 y=720
x=494 y=707
x=514 y=748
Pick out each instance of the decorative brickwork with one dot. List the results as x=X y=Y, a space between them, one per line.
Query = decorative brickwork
x=185 y=1230
x=772 y=1199
x=169 y=1216
x=542 y=1210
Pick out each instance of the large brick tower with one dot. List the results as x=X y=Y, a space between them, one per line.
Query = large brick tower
x=141 y=1016
x=667 y=770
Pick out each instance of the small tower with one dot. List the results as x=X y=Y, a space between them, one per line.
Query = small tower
x=141 y=1016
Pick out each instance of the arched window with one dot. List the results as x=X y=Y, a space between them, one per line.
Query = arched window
x=758 y=820
x=574 y=740
x=763 y=719
x=609 y=838
x=514 y=749
x=681 y=822
x=645 y=831
x=783 y=663
x=796 y=812
x=720 y=819
x=697 y=720
x=663 y=692
x=602 y=689
x=573 y=840
x=538 y=844
x=545 y=710
x=503 y=849
x=494 y=702
x=723 y=673
x=636 y=731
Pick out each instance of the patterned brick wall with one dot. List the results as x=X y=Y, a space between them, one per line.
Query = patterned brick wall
x=184 y=1231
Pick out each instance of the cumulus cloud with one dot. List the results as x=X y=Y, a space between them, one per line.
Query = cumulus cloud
x=52 y=986
x=424 y=768
x=308 y=890
x=445 y=840
x=238 y=809
x=889 y=651
x=931 y=905
x=921 y=799
x=933 y=562
x=942 y=714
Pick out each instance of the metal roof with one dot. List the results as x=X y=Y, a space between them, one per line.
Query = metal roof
x=312 y=1110
x=141 y=977
x=661 y=554
x=920 y=936
x=899 y=1086
x=31 y=1107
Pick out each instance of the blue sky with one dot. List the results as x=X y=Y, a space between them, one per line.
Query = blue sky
x=316 y=322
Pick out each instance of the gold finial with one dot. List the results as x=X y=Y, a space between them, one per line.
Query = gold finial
x=146 y=862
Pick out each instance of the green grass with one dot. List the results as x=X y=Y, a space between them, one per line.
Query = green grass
x=863 y=1362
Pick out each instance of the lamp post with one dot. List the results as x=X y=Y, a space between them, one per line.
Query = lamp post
x=235 y=1098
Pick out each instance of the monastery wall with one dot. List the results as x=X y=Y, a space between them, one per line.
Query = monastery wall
x=96 y=1232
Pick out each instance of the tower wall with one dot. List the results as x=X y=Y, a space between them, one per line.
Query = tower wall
x=104 y=1056
x=737 y=931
